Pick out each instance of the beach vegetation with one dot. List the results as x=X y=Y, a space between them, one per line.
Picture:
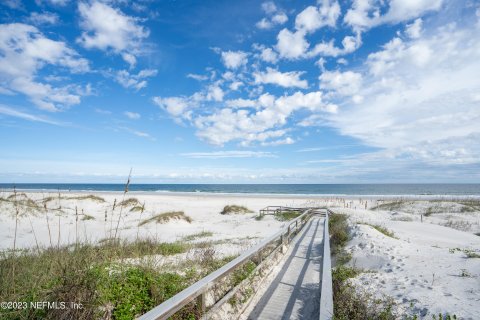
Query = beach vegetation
x=445 y=316
x=91 y=197
x=97 y=277
x=137 y=209
x=130 y=202
x=166 y=217
x=260 y=217
x=382 y=230
x=458 y=225
x=234 y=209
x=195 y=236
x=389 y=206
x=349 y=302
x=287 y=215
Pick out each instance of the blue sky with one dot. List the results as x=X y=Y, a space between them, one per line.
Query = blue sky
x=240 y=91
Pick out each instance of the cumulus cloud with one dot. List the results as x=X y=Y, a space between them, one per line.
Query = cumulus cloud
x=344 y=83
x=291 y=45
x=262 y=125
x=284 y=79
x=24 y=51
x=328 y=49
x=414 y=30
x=274 y=16
x=268 y=55
x=134 y=81
x=107 y=28
x=313 y=18
x=364 y=15
x=420 y=97
x=175 y=106
x=234 y=59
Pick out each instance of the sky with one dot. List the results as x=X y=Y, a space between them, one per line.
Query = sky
x=224 y=91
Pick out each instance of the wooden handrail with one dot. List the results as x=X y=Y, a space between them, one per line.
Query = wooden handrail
x=198 y=289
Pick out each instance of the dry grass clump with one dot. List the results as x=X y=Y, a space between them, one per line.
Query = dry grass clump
x=195 y=236
x=234 y=209
x=87 y=197
x=458 y=225
x=88 y=217
x=130 y=202
x=381 y=229
x=166 y=217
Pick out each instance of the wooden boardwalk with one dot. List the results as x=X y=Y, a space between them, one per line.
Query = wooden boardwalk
x=295 y=291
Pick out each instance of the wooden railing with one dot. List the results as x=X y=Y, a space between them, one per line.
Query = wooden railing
x=326 y=290
x=198 y=290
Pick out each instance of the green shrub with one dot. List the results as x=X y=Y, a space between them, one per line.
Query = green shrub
x=235 y=210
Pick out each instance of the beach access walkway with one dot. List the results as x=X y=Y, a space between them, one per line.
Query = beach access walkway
x=294 y=293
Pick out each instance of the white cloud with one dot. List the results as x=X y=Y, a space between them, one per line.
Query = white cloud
x=38 y=18
x=280 y=18
x=5 y=110
x=263 y=125
x=60 y=3
x=107 y=28
x=414 y=30
x=274 y=16
x=269 y=7
x=138 y=133
x=344 y=83
x=134 y=81
x=264 y=24
x=419 y=98
x=132 y=115
x=284 y=79
x=328 y=49
x=235 y=85
x=197 y=77
x=24 y=51
x=366 y=14
x=313 y=18
x=13 y=4
x=175 y=106
x=228 y=154
x=291 y=45
x=241 y=103
x=234 y=59
x=215 y=93
x=268 y=55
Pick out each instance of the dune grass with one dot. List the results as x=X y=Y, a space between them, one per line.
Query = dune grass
x=349 y=303
x=287 y=215
x=91 y=197
x=88 y=217
x=95 y=276
x=195 y=236
x=130 y=202
x=234 y=209
x=166 y=217
x=381 y=229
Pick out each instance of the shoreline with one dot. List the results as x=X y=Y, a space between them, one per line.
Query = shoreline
x=263 y=195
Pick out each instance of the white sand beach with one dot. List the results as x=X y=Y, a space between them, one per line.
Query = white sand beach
x=424 y=267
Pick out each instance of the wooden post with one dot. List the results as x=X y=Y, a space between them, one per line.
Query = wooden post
x=201 y=304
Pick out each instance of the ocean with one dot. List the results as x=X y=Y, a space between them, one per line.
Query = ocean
x=297 y=189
